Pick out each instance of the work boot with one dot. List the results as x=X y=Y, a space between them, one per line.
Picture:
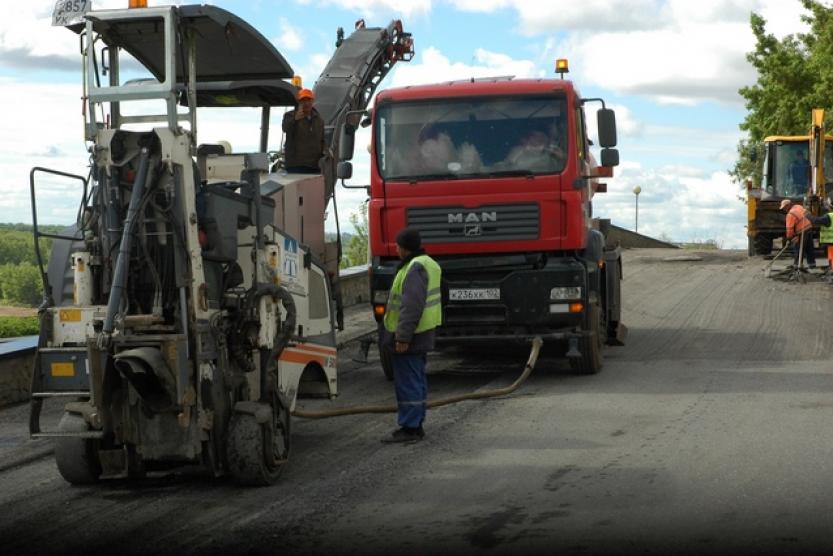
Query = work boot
x=405 y=434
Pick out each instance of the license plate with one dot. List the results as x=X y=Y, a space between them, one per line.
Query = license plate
x=474 y=294
x=70 y=12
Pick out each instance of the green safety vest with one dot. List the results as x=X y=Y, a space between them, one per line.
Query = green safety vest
x=432 y=315
x=826 y=232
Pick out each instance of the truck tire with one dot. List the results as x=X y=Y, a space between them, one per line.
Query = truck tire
x=77 y=458
x=763 y=244
x=248 y=460
x=590 y=346
x=386 y=358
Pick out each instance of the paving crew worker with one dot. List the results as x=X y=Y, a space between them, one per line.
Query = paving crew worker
x=798 y=226
x=304 y=128
x=413 y=311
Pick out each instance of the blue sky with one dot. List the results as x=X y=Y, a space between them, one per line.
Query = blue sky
x=670 y=68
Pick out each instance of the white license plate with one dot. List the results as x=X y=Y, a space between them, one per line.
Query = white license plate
x=474 y=294
x=70 y=12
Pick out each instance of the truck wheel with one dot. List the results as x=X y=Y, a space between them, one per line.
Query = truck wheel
x=257 y=453
x=590 y=346
x=77 y=458
x=763 y=244
x=386 y=357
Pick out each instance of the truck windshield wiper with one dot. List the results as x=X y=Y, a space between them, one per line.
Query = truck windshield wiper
x=424 y=177
x=507 y=173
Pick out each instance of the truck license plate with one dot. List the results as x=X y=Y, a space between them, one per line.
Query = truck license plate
x=474 y=294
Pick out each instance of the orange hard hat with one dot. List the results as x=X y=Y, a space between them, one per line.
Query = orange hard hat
x=306 y=93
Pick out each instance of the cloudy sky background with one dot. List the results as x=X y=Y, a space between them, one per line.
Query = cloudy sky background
x=670 y=68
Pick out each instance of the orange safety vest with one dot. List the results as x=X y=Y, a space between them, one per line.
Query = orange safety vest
x=797 y=221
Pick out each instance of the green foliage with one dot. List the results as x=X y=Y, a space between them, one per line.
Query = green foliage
x=355 y=253
x=17 y=243
x=795 y=75
x=18 y=326
x=21 y=284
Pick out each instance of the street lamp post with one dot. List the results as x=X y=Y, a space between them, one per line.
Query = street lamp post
x=636 y=191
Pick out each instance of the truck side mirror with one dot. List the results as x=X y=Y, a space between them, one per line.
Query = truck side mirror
x=606 y=119
x=610 y=157
x=344 y=170
x=346 y=142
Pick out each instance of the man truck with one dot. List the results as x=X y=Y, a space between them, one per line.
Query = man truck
x=498 y=177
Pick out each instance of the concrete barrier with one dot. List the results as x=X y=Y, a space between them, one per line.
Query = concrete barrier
x=355 y=287
x=17 y=357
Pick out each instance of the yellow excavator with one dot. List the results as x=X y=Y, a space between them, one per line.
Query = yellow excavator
x=795 y=167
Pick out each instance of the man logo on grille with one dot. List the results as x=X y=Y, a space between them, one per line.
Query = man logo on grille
x=471 y=217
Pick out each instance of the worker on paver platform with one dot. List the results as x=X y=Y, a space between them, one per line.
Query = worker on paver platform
x=799 y=226
x=304 y=128
x=413 y=311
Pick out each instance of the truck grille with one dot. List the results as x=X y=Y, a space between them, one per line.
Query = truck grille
x=485 y=223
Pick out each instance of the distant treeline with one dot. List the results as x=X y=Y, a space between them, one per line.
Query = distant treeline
x=20 y=281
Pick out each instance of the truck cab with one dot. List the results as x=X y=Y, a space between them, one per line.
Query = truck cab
x=498 y=177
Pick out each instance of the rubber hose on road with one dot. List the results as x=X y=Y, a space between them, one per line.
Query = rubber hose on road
x=392 y=408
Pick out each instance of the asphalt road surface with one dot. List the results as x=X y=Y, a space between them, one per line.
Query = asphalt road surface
x=711 y=431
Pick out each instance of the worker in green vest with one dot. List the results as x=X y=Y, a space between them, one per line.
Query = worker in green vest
x=825 y=223
x=413 y=311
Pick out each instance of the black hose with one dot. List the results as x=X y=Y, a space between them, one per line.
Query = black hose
x=123 y=261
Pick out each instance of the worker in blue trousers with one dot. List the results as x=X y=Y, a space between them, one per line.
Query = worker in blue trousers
x=413 y=311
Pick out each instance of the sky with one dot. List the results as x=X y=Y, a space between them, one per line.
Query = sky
x=670 y=68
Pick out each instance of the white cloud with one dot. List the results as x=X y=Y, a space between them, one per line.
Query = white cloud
x=435 y=67
x=289 y=38
x=681 y=203
x=684 y=70
x=566 y=15
x=373 y=7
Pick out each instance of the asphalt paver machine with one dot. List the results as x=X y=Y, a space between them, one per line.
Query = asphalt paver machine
x=191 y=304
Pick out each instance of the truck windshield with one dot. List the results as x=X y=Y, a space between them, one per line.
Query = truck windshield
x=482 y=137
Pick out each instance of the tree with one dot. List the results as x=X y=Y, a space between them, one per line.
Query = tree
x=356 y=252
x=21 y=284
x=795 y=75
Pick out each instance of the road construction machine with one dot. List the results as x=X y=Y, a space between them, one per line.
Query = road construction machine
x=498 y=176
x=195 y=299
x=795 y=167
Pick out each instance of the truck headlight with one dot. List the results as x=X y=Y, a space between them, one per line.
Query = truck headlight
x=562 y=294
x=380 y=296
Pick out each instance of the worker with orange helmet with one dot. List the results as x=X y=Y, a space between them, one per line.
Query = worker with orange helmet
x=800 y=226
x=304 y=128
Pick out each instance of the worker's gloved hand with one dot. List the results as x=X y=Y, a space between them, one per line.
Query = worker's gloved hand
x=402 y=347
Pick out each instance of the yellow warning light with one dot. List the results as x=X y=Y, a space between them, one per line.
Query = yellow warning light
x=297 y=81
x=138 y=4
x=562 y=66
x=379 y=310
x=576 y=307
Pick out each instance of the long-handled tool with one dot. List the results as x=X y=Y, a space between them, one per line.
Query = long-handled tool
x=768 y=272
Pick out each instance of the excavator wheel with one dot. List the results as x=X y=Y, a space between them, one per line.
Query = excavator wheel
x=77 y=458
x=762 y=244
x=590 y=346
x=258 y=452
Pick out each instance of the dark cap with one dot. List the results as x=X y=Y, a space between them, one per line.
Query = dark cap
x=409 y=239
